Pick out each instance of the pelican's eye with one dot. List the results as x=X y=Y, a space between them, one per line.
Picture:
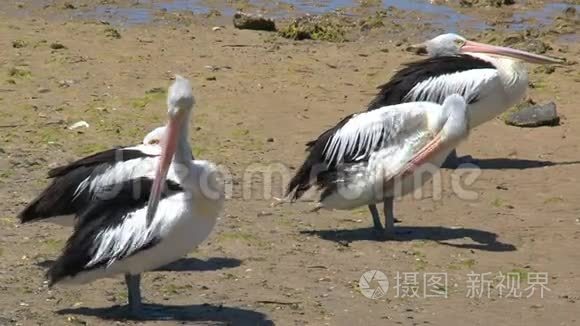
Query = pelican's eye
x=154 y=142
x=459 y=42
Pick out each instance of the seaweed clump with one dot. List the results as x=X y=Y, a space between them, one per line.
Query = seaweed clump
x=327 y=27
x=486 y=3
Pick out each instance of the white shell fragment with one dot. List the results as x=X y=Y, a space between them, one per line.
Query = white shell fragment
x=79 y=124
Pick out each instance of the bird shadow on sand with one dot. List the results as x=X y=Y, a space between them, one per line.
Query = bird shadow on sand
x=184 y=264
x=515 y=164
x=194 y=264
x=483 y=240
x=204 y=314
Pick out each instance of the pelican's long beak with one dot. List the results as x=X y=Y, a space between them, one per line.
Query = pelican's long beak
x=167 y=151
x=475 y=47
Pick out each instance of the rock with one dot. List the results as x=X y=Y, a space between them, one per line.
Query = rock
x=216 y=28
x=531 y=115
x=57 y=46
x=254 y=22
x=43 y=90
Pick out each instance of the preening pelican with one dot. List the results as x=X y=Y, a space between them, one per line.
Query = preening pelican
x=373 y=156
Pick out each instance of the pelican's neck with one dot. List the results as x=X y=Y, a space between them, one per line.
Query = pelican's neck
x=513 y=75
x=512 y=72
x=183 y=150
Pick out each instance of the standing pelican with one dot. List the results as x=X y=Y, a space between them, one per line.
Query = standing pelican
x=119 y=231
x=490 y=78
x=375 y=155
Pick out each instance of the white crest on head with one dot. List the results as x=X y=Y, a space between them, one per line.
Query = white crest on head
x=180 y=96
x=444 y=45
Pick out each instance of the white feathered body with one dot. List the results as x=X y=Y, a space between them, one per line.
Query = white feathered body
x=182 y=222
x=411 y=127
x=496 y=89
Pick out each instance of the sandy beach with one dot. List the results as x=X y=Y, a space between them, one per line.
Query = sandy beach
x=260 y=98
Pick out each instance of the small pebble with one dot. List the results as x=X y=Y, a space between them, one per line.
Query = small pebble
x=65 y=83
x=57 y=46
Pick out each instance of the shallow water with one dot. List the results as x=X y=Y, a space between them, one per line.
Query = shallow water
x=543 y=15
x=440 y=16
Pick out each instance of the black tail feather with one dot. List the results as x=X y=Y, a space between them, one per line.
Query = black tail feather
x=300 y=183
x=59 y=198
x=315 y=169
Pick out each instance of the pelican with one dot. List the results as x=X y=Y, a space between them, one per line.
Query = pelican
x=490 y=78
x=63 y=199
x=147 y=218
x=375 y=156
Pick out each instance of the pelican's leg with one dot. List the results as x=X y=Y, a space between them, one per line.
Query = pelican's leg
x=388 y=204
x=376 y=218
x=136 y=307
x=134 y=294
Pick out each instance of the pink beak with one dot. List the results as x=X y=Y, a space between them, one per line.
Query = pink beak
x=167 y=151
x=475 y=47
